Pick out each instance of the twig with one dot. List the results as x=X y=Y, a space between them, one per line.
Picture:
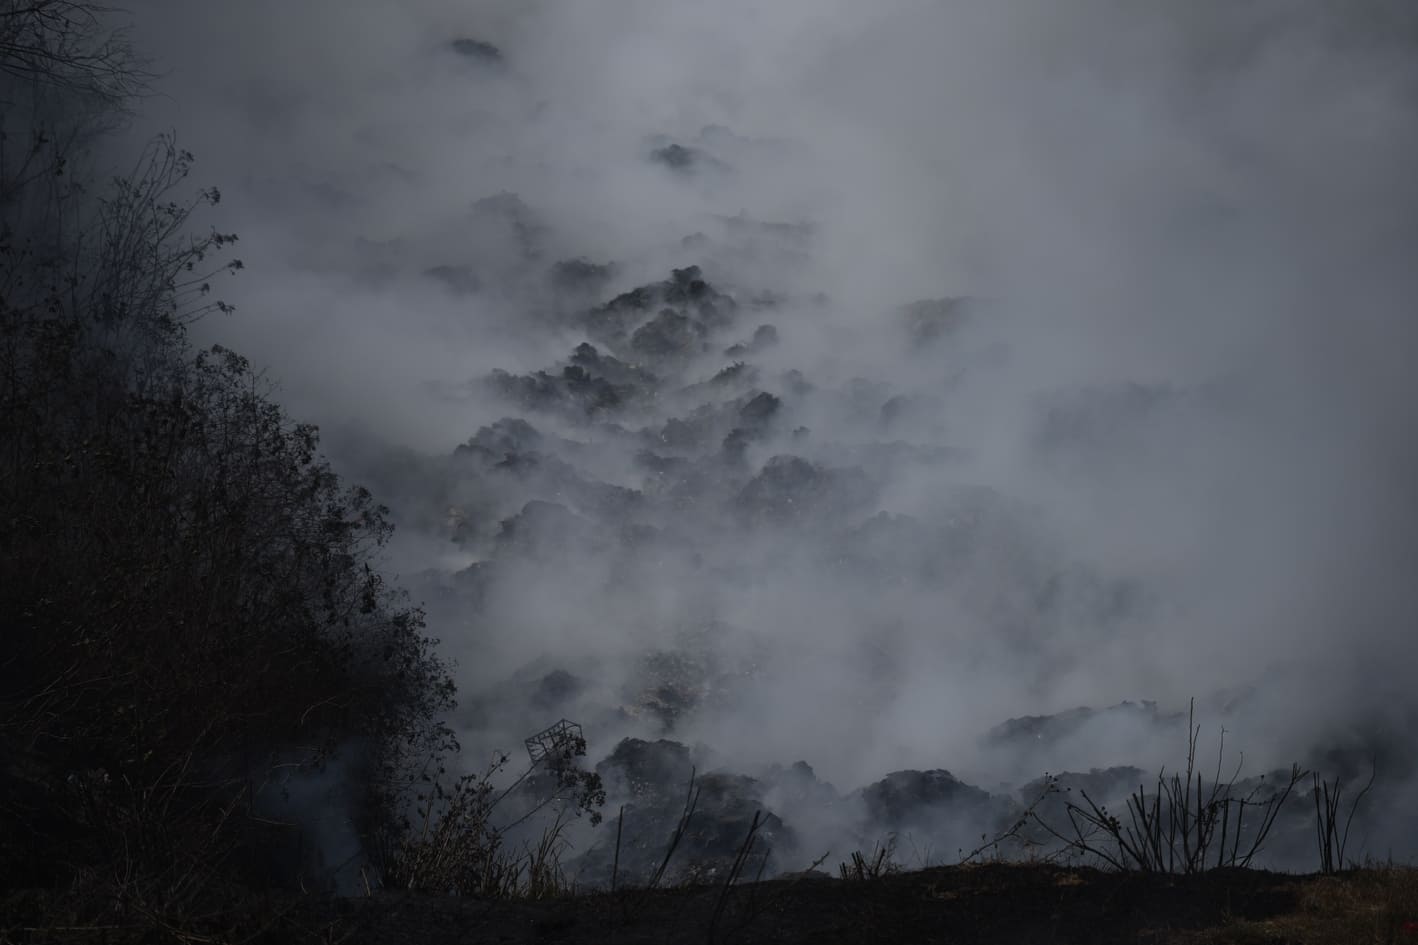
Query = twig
x=690 y=803
x=739 y=860
x=615 y=863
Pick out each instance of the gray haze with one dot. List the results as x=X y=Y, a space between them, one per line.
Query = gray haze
x=1176 y=428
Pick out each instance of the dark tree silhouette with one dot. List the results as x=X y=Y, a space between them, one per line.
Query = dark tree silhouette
x=190 y=597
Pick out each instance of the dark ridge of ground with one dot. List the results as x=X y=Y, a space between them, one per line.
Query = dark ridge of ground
x=997 y=904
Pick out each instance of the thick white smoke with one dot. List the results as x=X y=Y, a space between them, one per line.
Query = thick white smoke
x=1168 y=451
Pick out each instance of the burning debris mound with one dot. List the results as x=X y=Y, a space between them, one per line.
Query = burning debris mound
x=655 y=509
x=668 y=457
x=662 y=476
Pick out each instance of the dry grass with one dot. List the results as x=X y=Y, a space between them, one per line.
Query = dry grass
x=1376 y=906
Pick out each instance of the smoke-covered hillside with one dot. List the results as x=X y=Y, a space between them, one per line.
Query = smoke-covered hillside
x=834 y=398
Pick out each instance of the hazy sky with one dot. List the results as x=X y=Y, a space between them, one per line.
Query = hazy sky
x=1195 y=224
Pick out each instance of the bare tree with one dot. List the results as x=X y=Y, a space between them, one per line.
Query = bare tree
x=70 y=44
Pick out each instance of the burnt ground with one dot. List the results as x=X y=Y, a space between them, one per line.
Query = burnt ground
x=979 y=904
x=997 y=904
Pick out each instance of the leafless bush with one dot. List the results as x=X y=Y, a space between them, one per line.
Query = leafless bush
x=455 y=845
x=1334 y=839
x=1016 y=835
x=1185 y=825
x=879 y=863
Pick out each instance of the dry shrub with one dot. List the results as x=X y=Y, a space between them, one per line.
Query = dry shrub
x=455 y=844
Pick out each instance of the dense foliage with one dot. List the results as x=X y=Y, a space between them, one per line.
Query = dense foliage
x=189 y=596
